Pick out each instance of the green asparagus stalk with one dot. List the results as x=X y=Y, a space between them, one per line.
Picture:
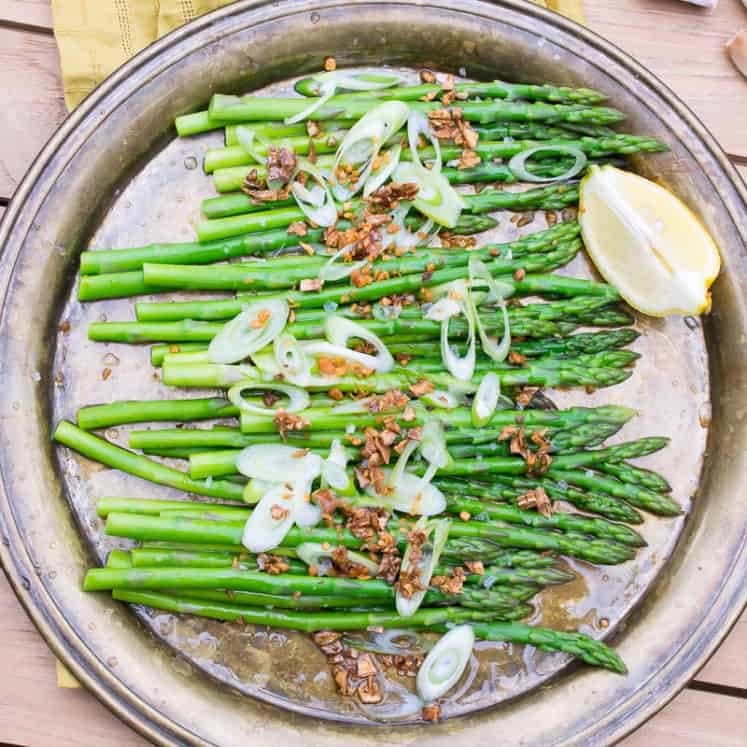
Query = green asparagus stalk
x=559 y=520
x=231 y=109
x=551 y=197
x=306 y=621
x=193 y=329
x=583 y=647
x=235 y=155
x=592 y=500
x=458 y=418
x=135 y=464
x=462 y=442
x=493 y=576
x=104 y=261
x=243 y=276
x=617 y=144
x=636 y=476
x=566 y=347
x=232 y=179
x=142 y=411
x=133 y=526
x=656 y=503
x=496 y=89
x=239 y=579
x=256 y=275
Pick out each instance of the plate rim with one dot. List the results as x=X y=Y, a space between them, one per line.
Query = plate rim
x=72 y=650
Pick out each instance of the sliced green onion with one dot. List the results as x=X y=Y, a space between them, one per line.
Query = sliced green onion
x=418 y=124
x=518 y=163
x=308 y=514
x=462 y=368
x=298 y=398
x=255 y=489
x=340 y=330
x=331 y=271
x=312 y=553
x=319 y=205
x=289 y=355
x=404 y=238
x=433 y=443
x=436 y=198
x=246 y=138
x=344 y=80
x=430 y=553
x=364 y=139
x=258 y=325
x=378 y=176
x=262 y=532
x=334 y=471
x=445 y=663
x=478 y=271
x=396 y=474
x=486 y=399
x=440 y=398
x=326 y=92
x=443 y=309
x=409 y=494
x=277 y=461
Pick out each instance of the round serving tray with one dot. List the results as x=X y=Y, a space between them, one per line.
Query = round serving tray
x=112 y=176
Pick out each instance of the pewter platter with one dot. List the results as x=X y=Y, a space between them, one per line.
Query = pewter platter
x=115 y=176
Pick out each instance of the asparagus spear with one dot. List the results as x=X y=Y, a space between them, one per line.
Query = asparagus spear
x=581 y=646
x=135 y=464
x=197 y=331
x=565 y=347
x=591 y=500
x=188 y=578
x=258 y=277
x=559 y=520
x=656 y=503
x=493 y=577
x=550 y=197
x=141 y=411
x=496 y=89
x=230 y=109
x=163 y=277
x=617 y=144
x=232 y=179
x=309 y=622
x=636 y=476
x=134 y=526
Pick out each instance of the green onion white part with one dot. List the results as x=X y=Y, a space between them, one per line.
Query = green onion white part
x=445 y=663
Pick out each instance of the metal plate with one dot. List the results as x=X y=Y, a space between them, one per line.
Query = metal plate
x=112 y=177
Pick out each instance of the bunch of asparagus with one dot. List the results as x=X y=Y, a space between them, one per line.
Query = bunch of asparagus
x=564 y=332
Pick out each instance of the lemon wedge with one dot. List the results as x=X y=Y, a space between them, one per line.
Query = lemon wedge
x=647 y=243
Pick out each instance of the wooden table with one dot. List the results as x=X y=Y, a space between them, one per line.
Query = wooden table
x=682 y=44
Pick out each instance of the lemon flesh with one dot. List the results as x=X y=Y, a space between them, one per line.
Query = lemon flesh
x=647 y=243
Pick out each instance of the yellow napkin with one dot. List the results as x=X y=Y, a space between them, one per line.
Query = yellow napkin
x=96 y=36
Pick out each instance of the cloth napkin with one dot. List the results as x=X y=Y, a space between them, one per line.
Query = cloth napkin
x=96 y=36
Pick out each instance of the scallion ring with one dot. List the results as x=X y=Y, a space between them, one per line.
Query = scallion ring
x=445 y=663
x=298 y=398
x=258 y=325
x=518 y=163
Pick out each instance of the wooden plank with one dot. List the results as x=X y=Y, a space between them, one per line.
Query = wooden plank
x=33 y=105
x=33 y=710
x=727 y=665
x=33 y=13
x=694 y=719
x=684 y=46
